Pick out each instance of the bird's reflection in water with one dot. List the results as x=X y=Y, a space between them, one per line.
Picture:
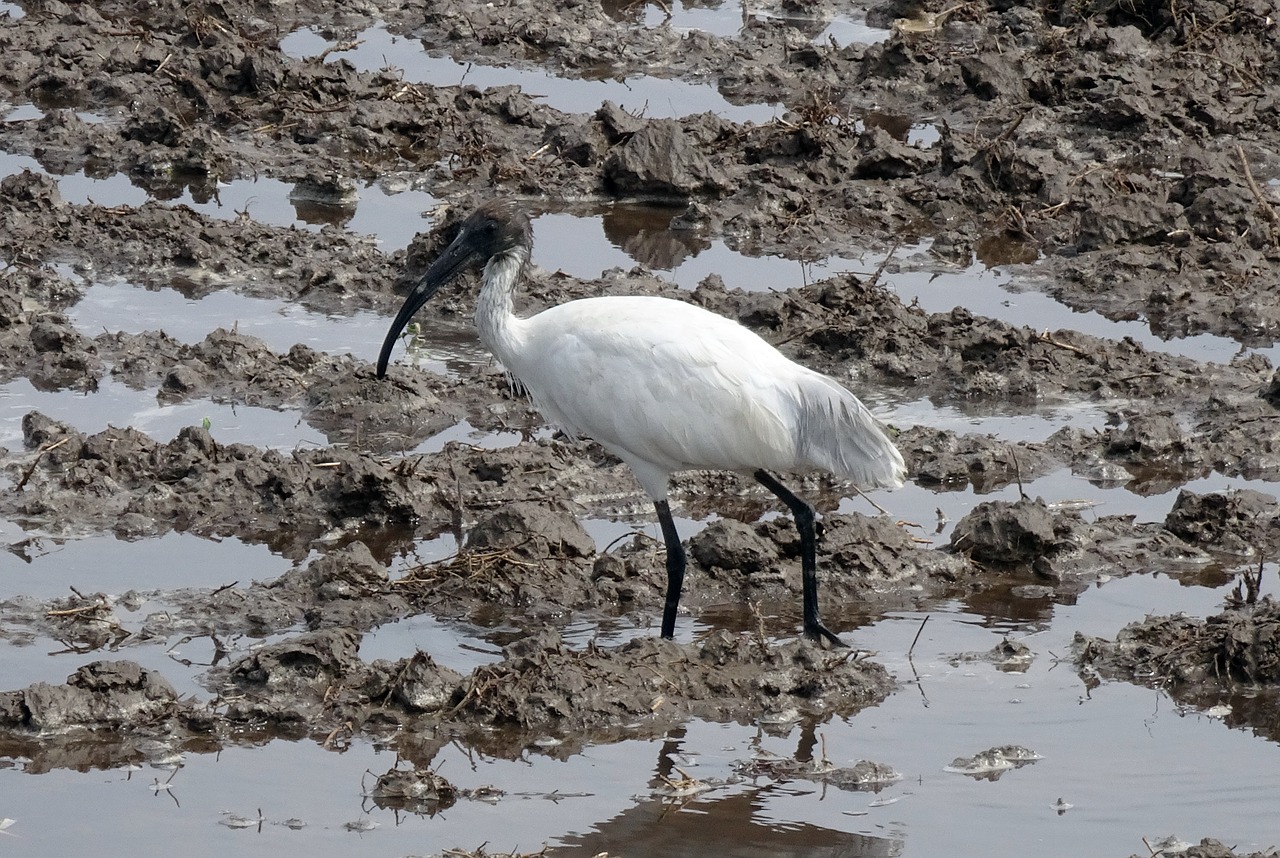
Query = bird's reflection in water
x=735 y=821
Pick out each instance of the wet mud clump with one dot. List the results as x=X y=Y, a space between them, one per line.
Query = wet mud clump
x=101 y=695
x=540 y=683
x=1206 y=848
x=862 y=775
x=106 y=713
x=1058 y=545
x=424 y=791
x=1228 y=663
x=998 y=532
x=315 y=684
x=126 y=482
x=1240 y=524
x=1237 y=646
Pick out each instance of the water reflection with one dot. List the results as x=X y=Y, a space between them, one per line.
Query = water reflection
x=729 y=19
x=644 y=233
x=650 y=828
x=624 y=11
x=627 y=234
x=113 y=403
x=173 y=185
x=904 y=129
x=389 y=209
x=320 y=214
x=1004 y=248
x=703 y=825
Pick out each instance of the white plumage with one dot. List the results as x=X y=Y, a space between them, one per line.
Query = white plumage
x=666 y=386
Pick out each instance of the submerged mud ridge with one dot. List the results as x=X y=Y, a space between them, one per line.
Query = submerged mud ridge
x=314 y=684
x=1121 y=156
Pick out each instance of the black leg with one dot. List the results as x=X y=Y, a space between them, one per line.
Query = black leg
x=675 y=568
x=804 y=516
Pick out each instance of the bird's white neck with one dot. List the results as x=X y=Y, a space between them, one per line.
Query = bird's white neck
x=496 y=321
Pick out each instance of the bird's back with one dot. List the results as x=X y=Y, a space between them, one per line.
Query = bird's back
x=669 y=386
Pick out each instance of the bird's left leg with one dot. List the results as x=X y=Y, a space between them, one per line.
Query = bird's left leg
x=675 y=568
x=805 y=519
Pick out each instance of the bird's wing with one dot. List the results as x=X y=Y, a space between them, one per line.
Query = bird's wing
x=667 y=382
x=838 y=434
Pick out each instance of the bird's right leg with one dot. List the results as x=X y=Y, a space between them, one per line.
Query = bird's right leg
x=675 y=567
x=805 y=521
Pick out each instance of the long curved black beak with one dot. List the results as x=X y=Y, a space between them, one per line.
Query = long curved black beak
x=450 y=263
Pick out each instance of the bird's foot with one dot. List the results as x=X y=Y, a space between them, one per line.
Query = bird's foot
x=818 y=633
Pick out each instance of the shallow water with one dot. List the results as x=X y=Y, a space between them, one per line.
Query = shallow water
x=115 y=404
x=1129 y=762
x=727 y=20
x=586 y=244
x=116 y=305
x=646 y=95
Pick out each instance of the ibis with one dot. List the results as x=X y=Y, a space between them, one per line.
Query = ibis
x=665 y=386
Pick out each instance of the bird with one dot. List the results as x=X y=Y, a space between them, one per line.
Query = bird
x=664 y=385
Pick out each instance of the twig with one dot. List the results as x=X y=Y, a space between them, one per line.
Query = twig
x=911 y=648
x=630 y=534
x=331 y=739
x=1138 y=375
x=1017 y=473
x=1049 y=340
x=71 y=612
x=761 y=640
x=333 y=108
x=875 y=276
x=1243 y=74
x=869 y=500
x=1006 y=133
x=1253 y=186
x=340 y=47
x=47 y=448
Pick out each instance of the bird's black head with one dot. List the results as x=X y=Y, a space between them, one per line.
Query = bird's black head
x=495 y=228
